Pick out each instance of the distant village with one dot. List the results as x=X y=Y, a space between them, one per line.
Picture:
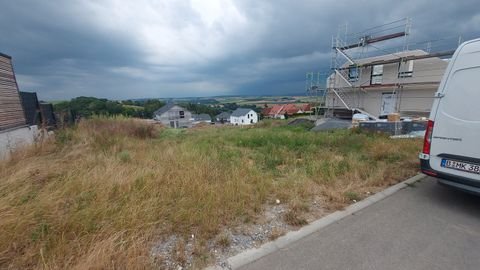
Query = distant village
x=24 y=118
x=175 y=116
x=374 y=90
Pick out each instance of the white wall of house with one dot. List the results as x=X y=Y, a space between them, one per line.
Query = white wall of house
x=250 y=118
x=408 y=101
x=195 y=122
x=12 y=139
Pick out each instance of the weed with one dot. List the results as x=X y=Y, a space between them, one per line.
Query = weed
x=352 y=196
x=293 y=218
x=223 y=240
x=124 y=156
x=179 y=253
x=40 y=232
x=276 y=233
x=63 y=136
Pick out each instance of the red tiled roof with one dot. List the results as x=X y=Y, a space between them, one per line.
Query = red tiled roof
x=290 y=109
x=277 y=110
x=306 y=107
x=286 y=109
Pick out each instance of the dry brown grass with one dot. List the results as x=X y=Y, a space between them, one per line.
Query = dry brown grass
x=276 y=233
x=101 y=194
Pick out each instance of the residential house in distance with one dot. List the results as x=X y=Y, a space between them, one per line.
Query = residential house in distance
x=403 y=82
x=201 y=118
x=305 y=108
x=174 y=116
x=243 y=116
x=281 y=111
x=223 y=117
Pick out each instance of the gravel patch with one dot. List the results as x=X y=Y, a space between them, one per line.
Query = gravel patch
x=230 y=241
x=331 y=124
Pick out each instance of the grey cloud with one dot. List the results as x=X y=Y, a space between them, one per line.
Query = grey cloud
x=66 y=49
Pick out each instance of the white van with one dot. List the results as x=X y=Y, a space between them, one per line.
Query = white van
x=451 y=150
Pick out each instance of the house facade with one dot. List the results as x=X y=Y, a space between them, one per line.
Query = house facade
x=14 y=129
x=403 y=82
x=12 y=114
x=223 y=117
x=243 y=116
x=201 y=118
x=173 y=116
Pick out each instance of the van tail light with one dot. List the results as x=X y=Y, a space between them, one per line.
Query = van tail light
x=427 y=142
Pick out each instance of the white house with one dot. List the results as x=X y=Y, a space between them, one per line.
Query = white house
x=243 y=116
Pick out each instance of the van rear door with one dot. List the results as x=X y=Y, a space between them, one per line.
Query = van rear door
x=456 y=131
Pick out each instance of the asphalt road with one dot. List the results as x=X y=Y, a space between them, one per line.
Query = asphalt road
x=426 y=226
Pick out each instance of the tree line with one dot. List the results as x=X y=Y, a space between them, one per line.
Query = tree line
x=85 y=107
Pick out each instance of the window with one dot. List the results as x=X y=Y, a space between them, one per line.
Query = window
x=405 y=69
x=353 y=73
x=182 y=114
x=242 y=120
x=248 y=116
x=377 y=74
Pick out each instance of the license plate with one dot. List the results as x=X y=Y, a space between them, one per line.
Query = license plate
x=461 y=166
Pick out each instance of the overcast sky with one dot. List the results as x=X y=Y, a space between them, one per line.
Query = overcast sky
x=177 y=48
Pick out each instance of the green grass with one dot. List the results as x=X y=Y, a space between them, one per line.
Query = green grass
x=103 y=193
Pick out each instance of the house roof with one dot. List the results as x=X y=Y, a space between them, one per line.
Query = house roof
x=241 y=112
x=291 y=109
x=201 y=117
x=387 y=57
x=223 y=115
x=266 y=110
x=276 y=110
x=306 y=107
x=6 y=56
x=165 y=108
x=281 y=109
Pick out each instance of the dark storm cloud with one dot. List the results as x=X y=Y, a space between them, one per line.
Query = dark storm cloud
x=195 y=48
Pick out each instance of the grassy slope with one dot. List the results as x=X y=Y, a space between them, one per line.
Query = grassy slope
x=104 y=192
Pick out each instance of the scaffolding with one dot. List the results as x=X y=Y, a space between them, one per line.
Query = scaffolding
x=315 y=87
x=344 y=83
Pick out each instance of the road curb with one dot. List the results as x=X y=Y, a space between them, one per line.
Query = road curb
x=254 y=254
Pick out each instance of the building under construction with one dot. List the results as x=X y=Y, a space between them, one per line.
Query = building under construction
x=379 y=71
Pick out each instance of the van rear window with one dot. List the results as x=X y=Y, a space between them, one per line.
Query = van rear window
x=462 y=95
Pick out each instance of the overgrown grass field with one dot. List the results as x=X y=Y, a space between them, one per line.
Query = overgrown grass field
x=101 y=194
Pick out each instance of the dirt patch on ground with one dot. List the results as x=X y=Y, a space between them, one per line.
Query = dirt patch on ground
x=231 y=241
